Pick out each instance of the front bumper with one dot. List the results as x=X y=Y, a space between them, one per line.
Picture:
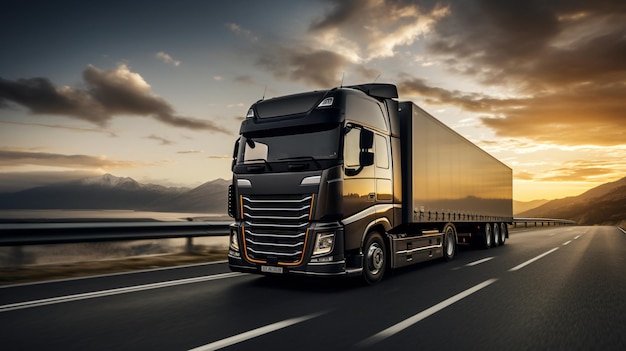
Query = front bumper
x=329 y=269
x=331 y=264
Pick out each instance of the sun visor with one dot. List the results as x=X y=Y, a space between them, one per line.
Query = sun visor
x=288 y=105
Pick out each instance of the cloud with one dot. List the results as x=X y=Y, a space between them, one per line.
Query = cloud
x=167 y=58
x=237 y=29
x=189 y=152
x=369 y=74
x=245 y=79
x=220 y=157
x=73 y=129
x=562 y=64
x=320 y=68
x=16 y=157
x=586 y=116
x=108 y=93
x=583 y=115
x=537 y=44
x=163 y=141
x=368 y=29
x=474 y=102
x=579 y=171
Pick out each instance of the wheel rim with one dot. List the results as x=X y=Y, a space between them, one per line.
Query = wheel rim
x=487 y=235
x=502 y=233
x=375 y=258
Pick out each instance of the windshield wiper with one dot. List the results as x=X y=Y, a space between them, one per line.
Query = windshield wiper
x=296 y=158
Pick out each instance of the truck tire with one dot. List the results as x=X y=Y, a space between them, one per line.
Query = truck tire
x=374 y=258
x=503 y=233
x=449 y=242
x=496 y=235
x=486 y=236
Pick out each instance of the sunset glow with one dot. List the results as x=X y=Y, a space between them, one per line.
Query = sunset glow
x=156 y=90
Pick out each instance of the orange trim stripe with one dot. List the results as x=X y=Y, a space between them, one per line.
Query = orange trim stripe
x=311 y=209
x=241 y=205
x=306 y=239
x=245 y=249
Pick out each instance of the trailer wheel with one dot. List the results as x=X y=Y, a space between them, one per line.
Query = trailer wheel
x=496 y=235
x=374 y=258
x=503 y=233
x=449 y=242
x=486 y=236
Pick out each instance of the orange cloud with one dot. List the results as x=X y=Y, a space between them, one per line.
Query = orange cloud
x=14 y=157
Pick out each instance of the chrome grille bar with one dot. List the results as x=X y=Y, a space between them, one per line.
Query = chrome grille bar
x=275 y=227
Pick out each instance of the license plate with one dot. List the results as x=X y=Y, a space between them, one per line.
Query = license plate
x=272 y=269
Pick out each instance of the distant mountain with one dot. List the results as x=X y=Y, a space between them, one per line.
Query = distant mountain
x=111 y=192
x=210 y=197
x=522 y=206
x=605 y=204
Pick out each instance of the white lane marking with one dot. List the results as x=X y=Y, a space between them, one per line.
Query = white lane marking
x=623 y=231
x=567 y=242
x=254 y=333
x=149 y=270
x=518 y=267
x=479 y=261
x=473 y=263
x=422 y=315
x=578 y=236
x=130 y=289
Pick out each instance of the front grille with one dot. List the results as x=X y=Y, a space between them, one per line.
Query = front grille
x=275 y=228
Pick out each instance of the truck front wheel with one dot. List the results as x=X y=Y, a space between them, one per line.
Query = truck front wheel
x=374 y=258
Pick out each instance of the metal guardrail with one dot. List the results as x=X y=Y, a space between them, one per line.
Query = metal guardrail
x=65 y=233
x=20 y=234
x=542 y=221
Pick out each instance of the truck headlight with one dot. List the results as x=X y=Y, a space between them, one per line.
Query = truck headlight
x=234 y=242
x=323 y=243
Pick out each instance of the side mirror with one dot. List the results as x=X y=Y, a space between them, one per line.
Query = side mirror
x=366 y=158
x=367 y=139
x=235 y=152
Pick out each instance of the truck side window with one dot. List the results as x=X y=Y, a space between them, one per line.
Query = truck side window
x=381 y=152
x=351 y=148
x=366 y=111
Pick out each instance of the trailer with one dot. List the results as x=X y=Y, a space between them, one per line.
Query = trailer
x=351 y=182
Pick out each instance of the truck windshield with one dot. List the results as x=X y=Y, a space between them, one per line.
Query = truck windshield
x=311 y=146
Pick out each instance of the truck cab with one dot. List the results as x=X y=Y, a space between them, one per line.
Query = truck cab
x=306 y=168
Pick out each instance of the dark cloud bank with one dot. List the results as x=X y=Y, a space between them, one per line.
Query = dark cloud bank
x=564 y=61
x=108 y=93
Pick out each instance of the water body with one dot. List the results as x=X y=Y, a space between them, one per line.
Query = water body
x=89 y=252
x=103 y=215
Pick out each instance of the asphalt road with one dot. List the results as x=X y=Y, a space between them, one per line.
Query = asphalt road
x=558 y=288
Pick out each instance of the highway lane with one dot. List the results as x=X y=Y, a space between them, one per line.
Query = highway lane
x=560 y=288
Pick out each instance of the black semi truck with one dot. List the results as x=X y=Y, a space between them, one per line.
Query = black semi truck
x=350 y=181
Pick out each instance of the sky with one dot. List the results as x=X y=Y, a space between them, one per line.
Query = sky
x=156 y=90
